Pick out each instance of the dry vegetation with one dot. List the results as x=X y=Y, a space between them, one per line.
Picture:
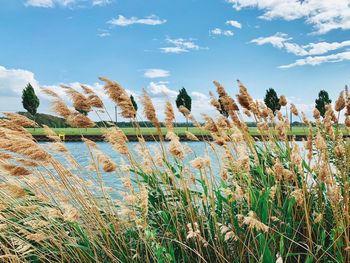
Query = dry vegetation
x=272 y=201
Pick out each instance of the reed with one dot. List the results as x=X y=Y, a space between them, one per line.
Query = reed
x=271 y=201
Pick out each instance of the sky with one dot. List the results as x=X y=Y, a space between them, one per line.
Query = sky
x=296 y=47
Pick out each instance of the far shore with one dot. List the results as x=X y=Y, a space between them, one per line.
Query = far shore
x=149 y=134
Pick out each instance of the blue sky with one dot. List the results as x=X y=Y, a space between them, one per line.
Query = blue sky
x=296 y=47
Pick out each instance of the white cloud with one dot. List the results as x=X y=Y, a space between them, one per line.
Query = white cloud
x=156 y=73
x=124 y=21
x=104 y=34
x=101 y=2
x=63 y=3
x=12 y=81
x=281 y=40
x=39 y=3
x=311 y=50
x=218 y=32
x=317 y=60
x=160 y=89
x=175 y=50
x=234 y=23
x=180 y=45
x=276 y=40
x=324 y=16
x=198 y=96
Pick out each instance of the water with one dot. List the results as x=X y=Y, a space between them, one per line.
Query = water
x=81 y=153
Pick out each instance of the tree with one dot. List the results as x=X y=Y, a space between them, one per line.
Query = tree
x=223 y=111
x=322 y=101
x=134 y=104
x=272 y=101
x=29 y=100
x=183 y=99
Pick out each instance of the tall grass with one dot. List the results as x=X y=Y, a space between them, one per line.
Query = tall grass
x=271 y=201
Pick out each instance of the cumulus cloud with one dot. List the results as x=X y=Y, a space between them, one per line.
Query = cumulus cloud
x=218 y=32
x=282 y=41
x=234 y=23
x=50 y=3
x=180 y=45
x=63 y=3
x=101 y=2
x=311 y=50
x=323 y=16
x=160 y=89
x=317 y=60
x=12 y=81
x=151 y=20
x=156 y=73
x=103 y=33
x=276 y=40
x=39 y=3
x=198 y=95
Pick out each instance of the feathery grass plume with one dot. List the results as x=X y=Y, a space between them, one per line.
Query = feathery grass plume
x=175 y=147
x=118 y=94
x=316 y=114
x=347 y=121
x=191 y=136
x=78 y=120
x=13 y=169
x=49 y=133
x=228 y=102
x=93 y=99
x=13 y=190
x=5 y=156
x=20 y=120
x=26 y=162
x=60 y=108
x=283 y=100
x=294 y=109
x=117 y=139
x=80 y=102
x=50 y=92
x=23 y=146
x=200 y=163
x=214 y=102
x=224 y=123
x=305 y=119
x=347 y=101
x=245 y=99
x=253 y=222
x=150 y=111
x=107 y=164
x=340 y=103
x=169 y=116
x=184 y=111
x=209 y=123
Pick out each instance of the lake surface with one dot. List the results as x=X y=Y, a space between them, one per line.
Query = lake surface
x=80 y=152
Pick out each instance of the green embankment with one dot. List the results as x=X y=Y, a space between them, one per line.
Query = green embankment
x=146 y=131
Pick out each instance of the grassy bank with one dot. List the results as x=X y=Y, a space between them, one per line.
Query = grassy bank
x=151 y=131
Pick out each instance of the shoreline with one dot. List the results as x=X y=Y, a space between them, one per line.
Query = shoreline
x=148 y=138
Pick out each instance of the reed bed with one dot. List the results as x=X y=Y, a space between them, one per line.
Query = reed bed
x=271 y=201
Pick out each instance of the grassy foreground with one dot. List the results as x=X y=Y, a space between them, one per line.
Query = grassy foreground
x=275 y=201
x=149 y=131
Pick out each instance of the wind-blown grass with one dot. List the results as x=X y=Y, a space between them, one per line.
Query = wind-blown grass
x=271 y=201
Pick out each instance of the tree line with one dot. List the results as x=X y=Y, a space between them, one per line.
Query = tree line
x=31 y=102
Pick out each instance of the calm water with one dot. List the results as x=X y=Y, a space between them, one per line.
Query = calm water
x=80 y=152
